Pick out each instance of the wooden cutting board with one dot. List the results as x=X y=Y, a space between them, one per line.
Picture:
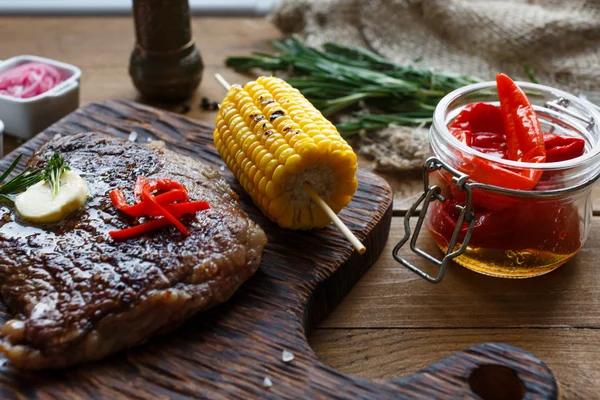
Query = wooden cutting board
x=228 y=351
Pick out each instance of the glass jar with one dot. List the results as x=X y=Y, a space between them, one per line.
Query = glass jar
x=504 y=232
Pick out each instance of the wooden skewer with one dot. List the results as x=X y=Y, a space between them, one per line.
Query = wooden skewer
x=222 y=81
x=317 y=199
x=336 y=220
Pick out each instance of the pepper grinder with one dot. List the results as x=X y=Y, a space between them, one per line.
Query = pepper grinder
x=165 y=64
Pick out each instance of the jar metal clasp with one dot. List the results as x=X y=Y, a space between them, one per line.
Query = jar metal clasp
x=430 y=194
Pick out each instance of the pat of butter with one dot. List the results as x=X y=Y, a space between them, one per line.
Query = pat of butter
x=36 y=204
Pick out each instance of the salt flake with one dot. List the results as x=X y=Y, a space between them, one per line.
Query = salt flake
x=133 y=136
x=267 y=382
x=287 y=356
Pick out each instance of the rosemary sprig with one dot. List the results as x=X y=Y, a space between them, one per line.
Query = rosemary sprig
x=19 y=182
x=342 y=79
x=55 y=167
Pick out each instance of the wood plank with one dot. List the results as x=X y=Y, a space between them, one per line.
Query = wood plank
x=573 y=354
x=390 y=296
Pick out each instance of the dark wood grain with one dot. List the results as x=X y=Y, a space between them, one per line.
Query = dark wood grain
x=228 y=351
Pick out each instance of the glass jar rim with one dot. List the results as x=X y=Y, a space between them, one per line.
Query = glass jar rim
x=440 y=124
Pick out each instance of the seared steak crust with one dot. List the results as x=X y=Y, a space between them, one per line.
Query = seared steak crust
x=79 y=295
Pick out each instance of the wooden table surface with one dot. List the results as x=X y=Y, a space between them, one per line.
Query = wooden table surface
x=392 y=323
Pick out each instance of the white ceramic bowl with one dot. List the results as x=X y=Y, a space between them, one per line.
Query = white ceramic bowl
x=24 y=118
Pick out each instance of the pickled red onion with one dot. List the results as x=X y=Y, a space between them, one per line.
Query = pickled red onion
x=29 y=80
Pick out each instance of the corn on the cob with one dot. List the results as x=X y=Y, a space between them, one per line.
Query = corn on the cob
x=274 y=141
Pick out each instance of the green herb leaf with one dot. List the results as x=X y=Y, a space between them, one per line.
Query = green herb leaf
x=18 y=183
x=55 y=167
x=339 y=79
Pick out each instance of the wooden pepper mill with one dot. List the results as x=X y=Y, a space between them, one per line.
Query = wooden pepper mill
x=165 y=64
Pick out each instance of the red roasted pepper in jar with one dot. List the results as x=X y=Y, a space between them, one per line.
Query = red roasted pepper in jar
x=511 y=132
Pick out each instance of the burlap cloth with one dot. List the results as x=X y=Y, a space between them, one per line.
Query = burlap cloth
x=558 y=39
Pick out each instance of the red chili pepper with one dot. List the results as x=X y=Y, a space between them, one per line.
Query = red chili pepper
x=140 y=183
x=140 y=209
x=480 y=118
x=162 y=205
x=139 y=229
x=153 y=205
x=558 y=148
x=481 y=127
x=191 y=207
x=491 y=229
x=163 y=184
x=561 y=148
x=524 y=135
x=118 y=199
x=177 y=210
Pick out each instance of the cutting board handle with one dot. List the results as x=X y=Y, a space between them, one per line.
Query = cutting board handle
x=489 y=371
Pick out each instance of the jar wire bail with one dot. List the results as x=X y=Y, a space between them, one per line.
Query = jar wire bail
x=432 y=193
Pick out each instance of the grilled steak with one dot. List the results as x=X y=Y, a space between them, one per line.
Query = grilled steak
x=78 y=295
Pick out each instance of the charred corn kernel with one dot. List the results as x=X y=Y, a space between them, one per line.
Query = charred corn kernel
x=274 y=141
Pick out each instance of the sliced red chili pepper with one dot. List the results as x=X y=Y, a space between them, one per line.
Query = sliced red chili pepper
x=155 y=207
x=163 y=205
x=118 y=199
x=163 y=184
x=177 y=210
x=139 y=229
x=140 y=209
x=191 y=207
x=140 y=183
